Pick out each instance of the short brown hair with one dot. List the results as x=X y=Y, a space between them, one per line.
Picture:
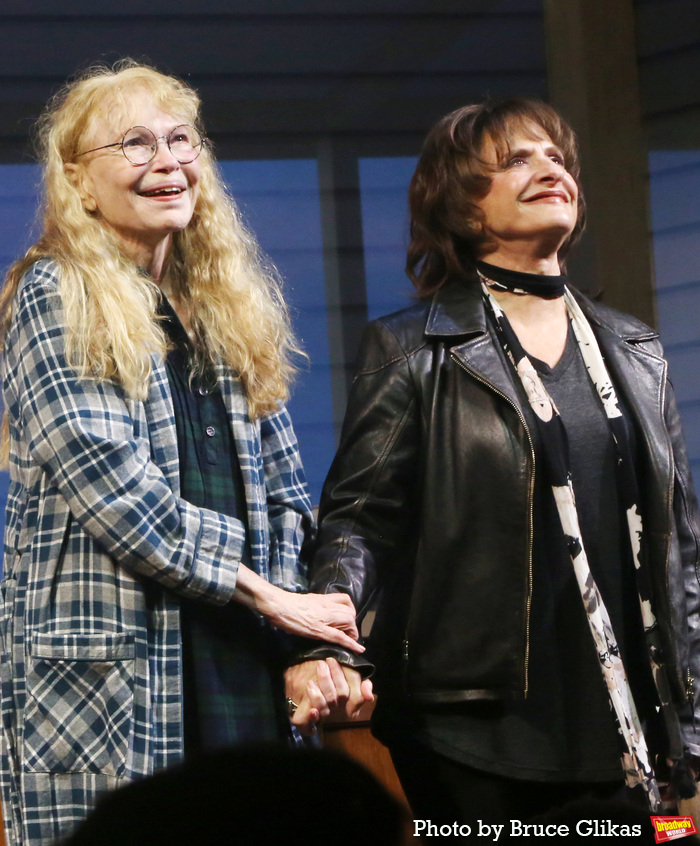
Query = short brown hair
x=451 y=177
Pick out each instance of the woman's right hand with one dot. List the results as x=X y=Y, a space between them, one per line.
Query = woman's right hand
x=319 y=688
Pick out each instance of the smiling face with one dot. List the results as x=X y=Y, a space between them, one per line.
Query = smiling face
x=143 y=204
x=531 y=206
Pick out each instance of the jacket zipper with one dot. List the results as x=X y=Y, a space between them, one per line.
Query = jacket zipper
x=690 y=693
x=689 y=686
x=404 y=665
x=531 y=496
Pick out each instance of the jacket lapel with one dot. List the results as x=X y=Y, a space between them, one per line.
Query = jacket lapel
x=640 y=378
x=632 y=365
x=458 y=316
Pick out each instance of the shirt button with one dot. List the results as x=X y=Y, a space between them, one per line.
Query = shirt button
x=203 y=392
x=211 y=431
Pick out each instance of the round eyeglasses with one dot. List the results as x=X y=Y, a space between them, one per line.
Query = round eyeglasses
x=139 y=144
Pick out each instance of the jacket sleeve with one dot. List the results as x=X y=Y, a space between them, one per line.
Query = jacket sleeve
x=687 y=527
x=369 y=495
x=82 y=436
x=290 y=516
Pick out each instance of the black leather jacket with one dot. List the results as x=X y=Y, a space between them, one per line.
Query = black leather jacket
x=429 y=501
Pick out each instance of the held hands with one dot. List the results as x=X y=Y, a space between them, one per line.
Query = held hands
x=321 y=687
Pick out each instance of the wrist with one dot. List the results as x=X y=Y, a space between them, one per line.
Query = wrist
x=256 y=593
x=268 y=600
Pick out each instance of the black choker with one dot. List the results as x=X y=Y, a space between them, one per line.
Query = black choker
x=547 y=287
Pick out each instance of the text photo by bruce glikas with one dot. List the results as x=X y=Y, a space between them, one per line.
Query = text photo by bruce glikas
x=663 y=828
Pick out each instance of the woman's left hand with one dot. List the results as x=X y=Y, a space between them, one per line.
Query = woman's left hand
x=329 y=617
x=323 y=616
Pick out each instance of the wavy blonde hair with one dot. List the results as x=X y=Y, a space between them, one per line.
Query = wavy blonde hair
x=232 y=293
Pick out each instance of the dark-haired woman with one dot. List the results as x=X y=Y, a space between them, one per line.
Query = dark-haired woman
x=512 y=480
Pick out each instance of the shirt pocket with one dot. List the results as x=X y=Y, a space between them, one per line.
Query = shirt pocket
x=80 y=702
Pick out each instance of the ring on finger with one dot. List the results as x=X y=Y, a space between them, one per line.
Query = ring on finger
x=291 y=706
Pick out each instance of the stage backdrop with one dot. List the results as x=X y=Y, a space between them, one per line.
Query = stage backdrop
x=280 y=200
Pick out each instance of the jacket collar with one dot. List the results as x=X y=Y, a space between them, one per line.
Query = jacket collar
x=457 y=314
x=457 y=310
x=623 y=326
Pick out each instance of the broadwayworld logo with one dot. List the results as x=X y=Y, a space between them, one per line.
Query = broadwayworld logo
x=671 y=828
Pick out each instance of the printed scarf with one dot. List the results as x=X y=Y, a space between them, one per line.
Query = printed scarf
x=636 y=762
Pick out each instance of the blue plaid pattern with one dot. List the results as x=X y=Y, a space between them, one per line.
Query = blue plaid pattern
x=98 y=547
x=79 y=713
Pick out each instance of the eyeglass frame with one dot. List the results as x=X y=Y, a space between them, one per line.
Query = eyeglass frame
x=158 y=138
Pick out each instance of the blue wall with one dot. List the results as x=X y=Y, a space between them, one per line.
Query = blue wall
x=383 y=191
x=280 y=201
x=675 y=212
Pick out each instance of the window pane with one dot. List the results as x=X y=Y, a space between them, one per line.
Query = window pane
x=384 y=192
x=675 y=211
x=280 y=202
x=19 y=187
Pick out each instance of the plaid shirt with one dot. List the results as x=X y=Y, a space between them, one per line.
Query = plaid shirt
x=98 y=547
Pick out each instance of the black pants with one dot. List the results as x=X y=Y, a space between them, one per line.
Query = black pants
x=446 y=792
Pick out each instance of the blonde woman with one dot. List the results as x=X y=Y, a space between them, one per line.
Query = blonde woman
x=157 y=505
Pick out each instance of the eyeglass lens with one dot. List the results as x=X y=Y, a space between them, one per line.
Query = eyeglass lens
x=140 y=144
